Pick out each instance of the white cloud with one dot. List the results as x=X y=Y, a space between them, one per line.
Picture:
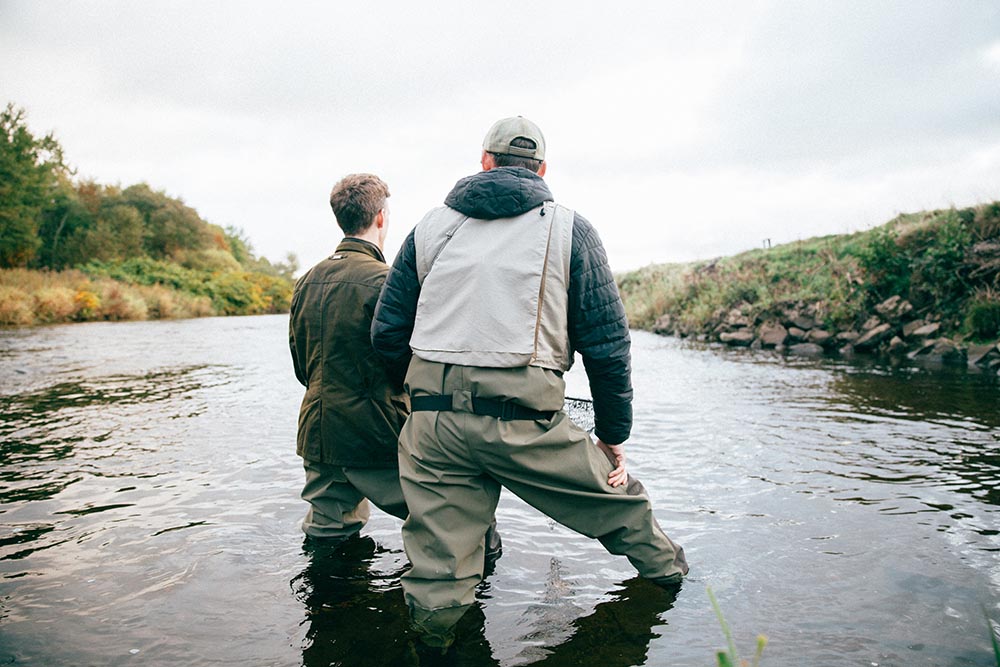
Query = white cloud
x=991 y=55
x=681 y=131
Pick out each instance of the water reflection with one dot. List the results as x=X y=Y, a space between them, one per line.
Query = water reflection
x=619 y=630
x=27 y=409
x=48 y=425
x=352 y=614
x=356 y=615
x=54 y=438
x=922 y=430
x=946 y=396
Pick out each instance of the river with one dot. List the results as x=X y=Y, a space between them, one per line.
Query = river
x=149 y=508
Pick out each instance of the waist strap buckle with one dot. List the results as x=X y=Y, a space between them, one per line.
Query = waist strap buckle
x=502 y=410
x=508 y=411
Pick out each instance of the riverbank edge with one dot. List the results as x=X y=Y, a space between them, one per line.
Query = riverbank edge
x=31 y=297
x=895 y=341
x=827 y=296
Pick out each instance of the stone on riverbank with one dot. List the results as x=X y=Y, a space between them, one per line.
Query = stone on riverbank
x=873 y=336
x=897 y=346
x=984 y=356
x=806 y=349
x=741 y=338
x=927 y=330
x=800 y=321
x=895 y=330
x=664 y=324
x=796 y=333
x=736 y=319
x=820 y=337
x=940 y=350
x=894 y=309
x=871 y=323
x=773 y=334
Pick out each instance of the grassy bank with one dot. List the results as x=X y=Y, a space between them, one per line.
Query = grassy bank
x=945 y=264
x=135 y=290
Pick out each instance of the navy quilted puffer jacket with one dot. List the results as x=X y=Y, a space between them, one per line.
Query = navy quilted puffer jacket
x=598 y=328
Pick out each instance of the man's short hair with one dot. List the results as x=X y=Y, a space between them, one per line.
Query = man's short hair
x=506 y=160
x=356 y=200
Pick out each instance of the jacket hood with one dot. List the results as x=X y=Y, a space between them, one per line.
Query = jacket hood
x=503 y=192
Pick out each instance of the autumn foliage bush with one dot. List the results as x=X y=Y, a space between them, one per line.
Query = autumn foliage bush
x=42 y=297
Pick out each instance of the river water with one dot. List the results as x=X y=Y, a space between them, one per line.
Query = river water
x=149 y=508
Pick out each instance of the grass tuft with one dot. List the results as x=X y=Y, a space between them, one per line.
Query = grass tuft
x=729 y=657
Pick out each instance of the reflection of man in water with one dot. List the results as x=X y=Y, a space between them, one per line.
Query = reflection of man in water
x=493 y=293
x=351 y=414
x=356 y=616
x=616 y=634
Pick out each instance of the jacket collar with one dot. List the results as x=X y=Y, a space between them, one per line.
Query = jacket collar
x=503 y=192
x=351 y=244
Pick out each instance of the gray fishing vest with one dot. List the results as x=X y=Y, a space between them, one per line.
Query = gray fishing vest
x=494 y=293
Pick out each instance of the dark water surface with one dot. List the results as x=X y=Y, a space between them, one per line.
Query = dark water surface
x=149 y=508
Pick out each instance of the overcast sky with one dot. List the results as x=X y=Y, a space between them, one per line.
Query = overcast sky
x=681 y=131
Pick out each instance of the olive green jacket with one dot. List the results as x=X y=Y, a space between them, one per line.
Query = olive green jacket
x=351 y=415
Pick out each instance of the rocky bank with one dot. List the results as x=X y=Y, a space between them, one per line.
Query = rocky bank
x=894 y=329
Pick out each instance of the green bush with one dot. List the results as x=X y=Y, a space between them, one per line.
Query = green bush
x=939 y=273
x=214 y=259
x=276 y=292
x=983 y=318
x=885 y=265
x=231 y=292
x=146 y=271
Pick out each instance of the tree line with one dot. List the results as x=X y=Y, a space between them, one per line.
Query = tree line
x=52 y=221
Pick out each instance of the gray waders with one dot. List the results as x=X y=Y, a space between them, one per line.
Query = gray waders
x=452 y=465
x=338 y=498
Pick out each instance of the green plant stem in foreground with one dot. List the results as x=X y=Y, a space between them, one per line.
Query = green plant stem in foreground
x=993 y=638
x=730 y=658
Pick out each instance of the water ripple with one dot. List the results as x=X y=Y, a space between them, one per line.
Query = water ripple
x=842 y=510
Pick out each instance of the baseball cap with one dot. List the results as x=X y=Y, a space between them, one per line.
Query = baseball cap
x=506 y=130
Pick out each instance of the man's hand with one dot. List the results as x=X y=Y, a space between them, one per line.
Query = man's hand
x=615 y=454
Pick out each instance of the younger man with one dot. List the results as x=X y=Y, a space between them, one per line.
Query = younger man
x=351 y=413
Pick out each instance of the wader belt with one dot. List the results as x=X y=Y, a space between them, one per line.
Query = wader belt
x=503 y=410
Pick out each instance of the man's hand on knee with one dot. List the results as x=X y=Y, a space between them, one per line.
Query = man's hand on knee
x=615 y=454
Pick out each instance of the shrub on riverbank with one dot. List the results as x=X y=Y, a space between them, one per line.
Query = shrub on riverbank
x=230 y=292
x=939 y=268
x=46 y=297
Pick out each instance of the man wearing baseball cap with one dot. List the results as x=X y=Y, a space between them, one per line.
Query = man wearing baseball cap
x=485 y=306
